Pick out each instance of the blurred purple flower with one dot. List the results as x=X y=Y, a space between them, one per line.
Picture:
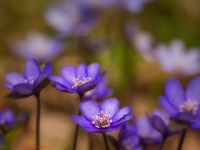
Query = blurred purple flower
x=32 y=82
x=104 y=118
x=99 y=92
x=128 y=138
x=182 y=105
x=147 y=134
x=141 y=41
x=78 y=79
x=176 y=59
x=160 y=121
x=39 y=47
x=70 y=17
x=7 y=121
x=134 y=6
x=7 y=118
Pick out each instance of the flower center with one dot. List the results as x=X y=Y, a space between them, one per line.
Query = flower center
x=101 y=120
x=77 y=81
x=189 y=106
x=127 y=144
x=30 y=80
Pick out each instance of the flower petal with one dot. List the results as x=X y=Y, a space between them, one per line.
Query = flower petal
x=68 y=72
x=32 y=68
x=81 y=71
x=93 y=71
x=174 y=92
x=111 y=106
x=23 y=88
x=59 y=79
x=40 y=83
x=195 y=124
x=98 y=79
x=64 y=89
x=122 y=120
x=89 y=108
x=167 y=106
x=102 y=130
x=193 y=90
x=48 y=69
x=86 y=87
x=82 y=121
x=158 y=124
x=7 y=115
x=15 y=78
x=121 y=113
x=10 y=86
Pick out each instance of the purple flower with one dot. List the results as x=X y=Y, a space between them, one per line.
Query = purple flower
x=128 y=138
x=70 y=17
x=182 y=105
x=134 y=6
x=176 y=59
x=147 y=134
x=99 y=92
x=7 y=121
x=78 y=79
x=7 y=118
x=160 y=121
x=104 y=118
x=39 y=47
x=32 y=82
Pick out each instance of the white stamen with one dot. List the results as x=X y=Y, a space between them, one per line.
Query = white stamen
x=77 y=82
x=190 y=106
x=101 y=120
x=30 y=80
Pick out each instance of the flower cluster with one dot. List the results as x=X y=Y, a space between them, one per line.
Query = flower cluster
x=85 y=80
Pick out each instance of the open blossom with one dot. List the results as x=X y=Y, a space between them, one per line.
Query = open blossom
x=78 y=79
x=160 y=121
x=128 y=138
x=183 y=105
x=39 y=47
x=70 y=17
x=176 y=59
x=32 y=82
x=147 y=134
x=99 y=92
x=102 y=118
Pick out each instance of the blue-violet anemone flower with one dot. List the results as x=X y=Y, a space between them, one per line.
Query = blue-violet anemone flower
x=183 y=106
x=128 y=138
x=102 y=118
x=147 y=134
x=99 y=92
x=7 y=121
x=32 y=82
x=78 y=79
x=160 y=121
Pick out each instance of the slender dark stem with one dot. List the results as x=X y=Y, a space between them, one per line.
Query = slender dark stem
x=182 y=139
x=76 y=133
x=77 y=126
x=37 y=95
x=90 y=141
x=163 y=142
x=144 y=146
x=105 y=140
